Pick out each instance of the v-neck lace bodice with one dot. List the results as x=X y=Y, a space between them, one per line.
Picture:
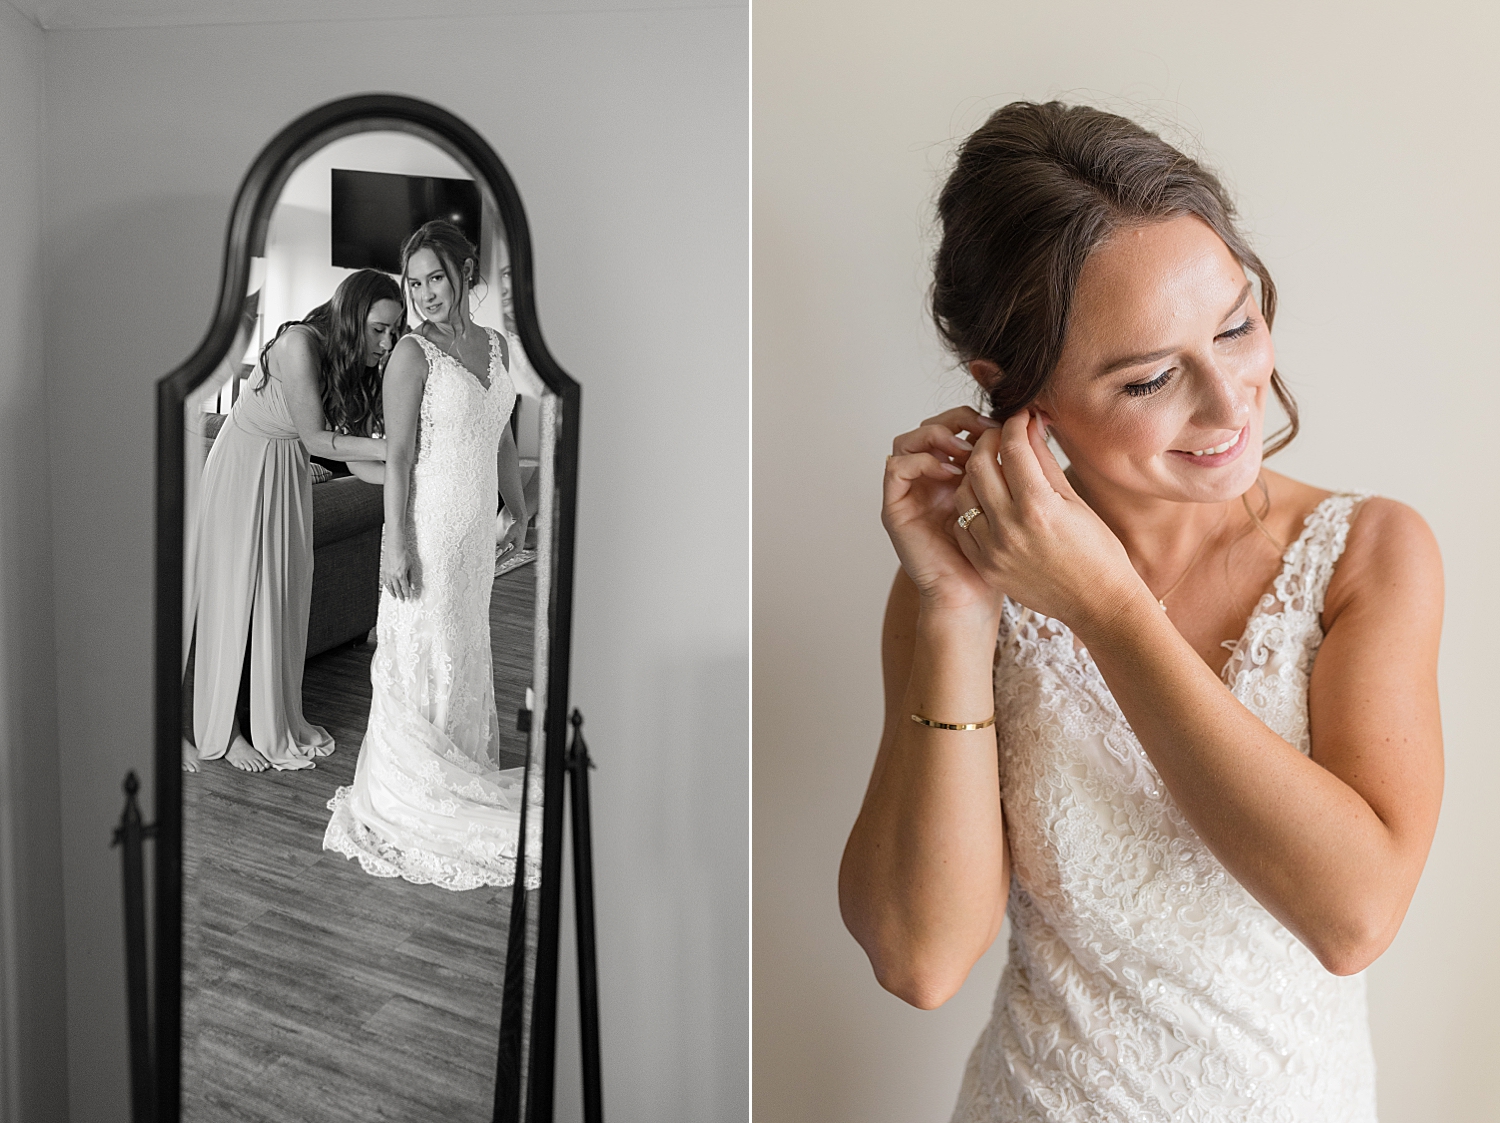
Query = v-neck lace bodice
x=1144 y=983
x=435 y=351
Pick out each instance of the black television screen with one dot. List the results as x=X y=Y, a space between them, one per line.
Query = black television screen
x=374 y=212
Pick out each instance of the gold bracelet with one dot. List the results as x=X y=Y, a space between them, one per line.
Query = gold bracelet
x=927 y=721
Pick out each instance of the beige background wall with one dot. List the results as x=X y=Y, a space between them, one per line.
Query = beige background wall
x=625 y=131
x=33 y=1075
x=1362 y=143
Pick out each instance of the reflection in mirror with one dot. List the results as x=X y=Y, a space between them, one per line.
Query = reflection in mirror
x=365 y=643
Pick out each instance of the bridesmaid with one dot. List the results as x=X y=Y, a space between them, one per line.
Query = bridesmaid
x=250 y=561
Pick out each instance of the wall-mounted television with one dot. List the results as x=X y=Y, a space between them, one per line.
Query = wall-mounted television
x=374 y=212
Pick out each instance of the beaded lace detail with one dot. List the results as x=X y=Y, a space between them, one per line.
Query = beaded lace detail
x=1144 y=983
x=428 y=803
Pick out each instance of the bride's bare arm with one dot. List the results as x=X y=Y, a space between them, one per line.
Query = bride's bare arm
x=294 y=363
x=925 y=875
x=405 y=378
x=1332 y=844
x=508 y=469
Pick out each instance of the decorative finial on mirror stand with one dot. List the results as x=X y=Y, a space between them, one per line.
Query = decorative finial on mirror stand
x=578 y=751
x=130 y=835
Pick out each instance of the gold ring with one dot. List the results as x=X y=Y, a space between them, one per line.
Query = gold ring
x=967 y=517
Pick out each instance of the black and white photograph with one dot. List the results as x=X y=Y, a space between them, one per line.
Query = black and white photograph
x=311 y=628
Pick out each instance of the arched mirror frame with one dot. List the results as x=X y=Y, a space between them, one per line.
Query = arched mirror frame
x=249 y=221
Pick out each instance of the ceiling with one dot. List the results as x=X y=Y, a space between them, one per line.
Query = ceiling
x=74 y=15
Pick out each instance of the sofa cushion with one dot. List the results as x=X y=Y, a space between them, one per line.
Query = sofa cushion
x=344 y=507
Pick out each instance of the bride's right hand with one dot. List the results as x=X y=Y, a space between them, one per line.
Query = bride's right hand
x=922 y=474
x=396 y=571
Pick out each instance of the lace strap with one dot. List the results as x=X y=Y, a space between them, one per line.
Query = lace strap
x=1307 y=566
x=429 y=348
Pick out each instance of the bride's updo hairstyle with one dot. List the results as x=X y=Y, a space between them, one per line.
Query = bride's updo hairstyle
x=1033 y=192
x=459 y=258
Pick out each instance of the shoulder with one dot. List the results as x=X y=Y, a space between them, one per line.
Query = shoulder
x=1291 y=503
x=297 y=342
x=296 y=355
x=1390 y=562
x=407 y=365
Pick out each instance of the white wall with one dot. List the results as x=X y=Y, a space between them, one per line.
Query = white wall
x=33 y=1074
x=626 y=134
x=1361 y=142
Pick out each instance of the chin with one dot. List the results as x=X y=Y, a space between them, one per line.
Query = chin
x=1229 y=482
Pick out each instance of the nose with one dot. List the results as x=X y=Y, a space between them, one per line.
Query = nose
x=1222 y=402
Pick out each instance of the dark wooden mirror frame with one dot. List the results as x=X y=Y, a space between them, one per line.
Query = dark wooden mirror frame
x=248 y=223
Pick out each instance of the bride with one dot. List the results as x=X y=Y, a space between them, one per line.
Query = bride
x=427 y=803
x=1172 y=713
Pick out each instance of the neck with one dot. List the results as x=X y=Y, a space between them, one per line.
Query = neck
x=1161 y=536
x=458 y=324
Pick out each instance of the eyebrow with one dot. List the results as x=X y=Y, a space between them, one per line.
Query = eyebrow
x=1152 y=356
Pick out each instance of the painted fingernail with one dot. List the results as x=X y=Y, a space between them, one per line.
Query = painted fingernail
x=953 y=469
x=963 y=444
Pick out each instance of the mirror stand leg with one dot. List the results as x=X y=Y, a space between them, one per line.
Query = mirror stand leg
x=583 y=913
x=131 y=836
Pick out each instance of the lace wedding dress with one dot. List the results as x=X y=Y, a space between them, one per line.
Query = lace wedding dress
x=427 y=803
x=1144 y=983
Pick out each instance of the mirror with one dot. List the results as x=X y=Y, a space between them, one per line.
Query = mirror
x=361 y=731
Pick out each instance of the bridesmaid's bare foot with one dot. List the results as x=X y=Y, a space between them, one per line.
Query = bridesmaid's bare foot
x=189 y=756
x=243 y=756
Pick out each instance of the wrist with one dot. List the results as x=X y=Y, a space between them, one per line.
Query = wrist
x=1128 y=613
x=958 y=626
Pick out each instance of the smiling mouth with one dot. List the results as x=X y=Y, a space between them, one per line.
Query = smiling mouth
x=1225 y=447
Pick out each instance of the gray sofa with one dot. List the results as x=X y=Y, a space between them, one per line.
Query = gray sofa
x=347 y=518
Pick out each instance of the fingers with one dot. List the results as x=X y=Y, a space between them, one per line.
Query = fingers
x=937 y=439
x=983 y=473
x=963 y=419
x=902 y=472
x=1036 y=433
x=1023 y=465
x=399 y=583
x=965 y=499
x=920 y=465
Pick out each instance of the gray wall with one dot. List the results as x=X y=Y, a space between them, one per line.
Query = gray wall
x=626 y=133
x=33 y=1075
x=1361 y=143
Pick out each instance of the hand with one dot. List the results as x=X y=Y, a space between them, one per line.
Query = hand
x=922 y=475
x=513 y=539
x=189 y=756
x=396 y=571
x=1035 y=539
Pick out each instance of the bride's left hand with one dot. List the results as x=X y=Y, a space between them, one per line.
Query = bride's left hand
x=1036 y=540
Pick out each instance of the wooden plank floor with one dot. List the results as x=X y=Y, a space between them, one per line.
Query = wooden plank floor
x=311 y=990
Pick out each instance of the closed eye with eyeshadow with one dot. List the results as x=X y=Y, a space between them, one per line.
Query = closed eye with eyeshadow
x=1143 y=389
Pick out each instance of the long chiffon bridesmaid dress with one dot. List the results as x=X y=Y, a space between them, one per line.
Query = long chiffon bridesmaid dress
x=250 y=564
